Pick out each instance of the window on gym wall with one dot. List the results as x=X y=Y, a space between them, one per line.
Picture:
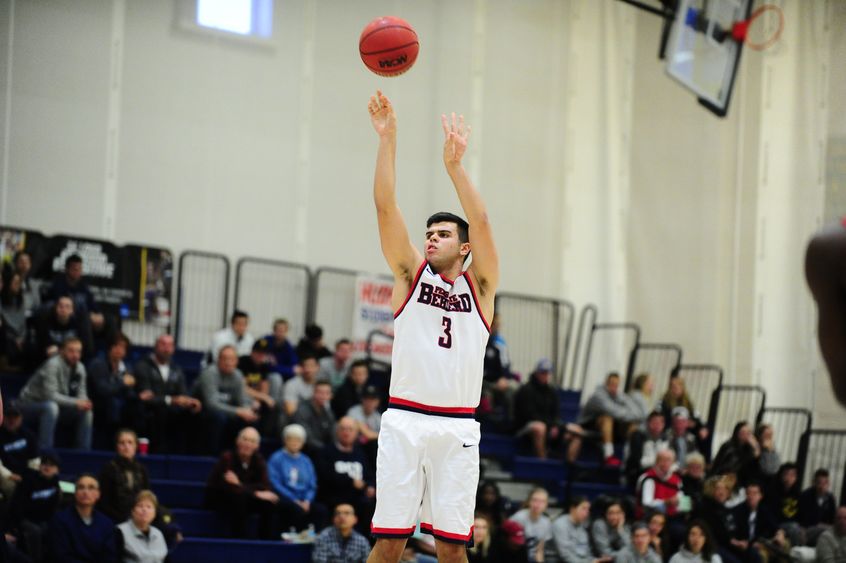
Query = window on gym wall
x=243 y=17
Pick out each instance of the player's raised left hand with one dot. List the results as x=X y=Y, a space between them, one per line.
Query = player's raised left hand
x=456 y=135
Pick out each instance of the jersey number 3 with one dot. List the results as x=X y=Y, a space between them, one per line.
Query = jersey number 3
x=445 y=341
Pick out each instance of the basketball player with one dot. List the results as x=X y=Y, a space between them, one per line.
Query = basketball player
x=825 y=269
x=428 y=462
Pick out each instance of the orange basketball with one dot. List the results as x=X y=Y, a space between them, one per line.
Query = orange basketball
x=388 y=46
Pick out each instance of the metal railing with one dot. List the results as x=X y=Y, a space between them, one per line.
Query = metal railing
x=789 y=426
x=661 y=361
x=824 y=449
x=608 y=347
x=203 y=297
x=272 y=289
x=333 y=301
x=701 y=380
x=535 y=328
x=730 y=405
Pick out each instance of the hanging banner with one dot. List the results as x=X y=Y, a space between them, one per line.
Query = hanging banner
x=372 y=311
x=131 y=282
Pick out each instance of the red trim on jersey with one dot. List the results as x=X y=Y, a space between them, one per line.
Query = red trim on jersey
x=428 y=528
x=449 y=281
x=411 y=291
x=429 y=408
x=391 y=531
x=476 y=300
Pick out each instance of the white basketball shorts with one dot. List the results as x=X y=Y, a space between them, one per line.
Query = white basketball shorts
x=427 y=470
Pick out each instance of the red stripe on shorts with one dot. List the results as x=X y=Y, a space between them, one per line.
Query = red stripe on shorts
x=396 y=401
x=461 y=537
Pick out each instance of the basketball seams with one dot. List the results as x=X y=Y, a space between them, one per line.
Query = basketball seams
x=398 y=47
x=363 y=38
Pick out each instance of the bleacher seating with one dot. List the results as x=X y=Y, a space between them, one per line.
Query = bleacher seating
x=209 y=550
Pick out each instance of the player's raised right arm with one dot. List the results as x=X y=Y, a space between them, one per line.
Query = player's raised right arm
x=402 y=257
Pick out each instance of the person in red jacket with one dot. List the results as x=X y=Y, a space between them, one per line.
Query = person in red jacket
x=660 y=486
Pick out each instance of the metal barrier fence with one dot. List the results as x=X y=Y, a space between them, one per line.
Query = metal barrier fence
x=203 y=297
x=700 y=381
x=271 y=289
x=789 y=426
x=608 y=347
x=661 y=361
x=535 y=328
x=824 y=449
x=333 y=301
x=731 y=404
x=143 y=334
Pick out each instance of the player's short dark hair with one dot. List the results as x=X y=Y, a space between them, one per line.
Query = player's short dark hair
x=237 y=314
x=73 y=259
x=446 y=217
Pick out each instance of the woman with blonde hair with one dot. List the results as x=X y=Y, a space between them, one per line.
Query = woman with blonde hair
x=137 y=539
x=677 y=396
x=482 y=532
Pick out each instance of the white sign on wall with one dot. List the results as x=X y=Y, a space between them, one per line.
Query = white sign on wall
x=373 y=311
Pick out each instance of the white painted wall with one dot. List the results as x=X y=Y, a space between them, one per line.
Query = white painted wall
x=605 y=181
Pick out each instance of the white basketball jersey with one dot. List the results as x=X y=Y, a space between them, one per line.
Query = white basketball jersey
x=439 y=344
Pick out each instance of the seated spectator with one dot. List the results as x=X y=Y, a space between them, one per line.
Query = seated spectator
x=609 y=412
x=640 y=396
x=498 y=383
x=570 y=536
x=334 y=368
x=18 y=449
x=610 y=534
x=344 y=474
x=738 y=455
x=480 y=552
x=35 y=501
x=639 y=550
x=235 y=335
x=693 y=477
x=239 y=486
x=537 y=527
x=137 y=539
x=349 y=393
x=509 y=544
x=831 y=546
x=660 y=487
x=55 y=325
x=122 y=478
x=71 y=284
x=340 y=541
x=311 y=344
x=659 y=537
x=719 y=518
x=13 y=315
x=294 y=480
x=112 y=390
x=226 y=406
x=31 y=288
x=817 y=507
x=676 y=396
x=491 y=504
x=756 y=528
x=300 y=388
x=80 y=532
x=284 y=355
x=369 y=421
x=536 y=414
x=769 y=461
x=168 y=410
x=264 y=386
x=316 y=417
x=643 y=446
x=679 y=437
x=698 y=546
x=56 y=394
x=783 y=501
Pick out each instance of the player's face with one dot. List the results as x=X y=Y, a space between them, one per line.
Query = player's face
x=442 y=245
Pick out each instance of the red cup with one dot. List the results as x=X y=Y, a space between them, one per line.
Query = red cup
x=143 y=446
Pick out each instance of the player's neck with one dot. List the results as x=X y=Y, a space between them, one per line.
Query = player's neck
x=450 y=273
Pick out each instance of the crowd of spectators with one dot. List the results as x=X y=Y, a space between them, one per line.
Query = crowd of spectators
x=744 y=505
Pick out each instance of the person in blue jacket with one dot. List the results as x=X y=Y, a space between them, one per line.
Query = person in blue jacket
x=80 y=532
x=294 y=479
